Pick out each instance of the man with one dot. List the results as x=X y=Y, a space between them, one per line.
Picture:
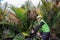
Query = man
x=44 y=30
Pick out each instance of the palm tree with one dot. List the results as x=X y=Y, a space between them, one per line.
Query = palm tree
x=8 y=22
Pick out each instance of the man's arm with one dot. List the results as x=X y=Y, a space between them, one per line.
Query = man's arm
x=35 y=30
x=38 y=27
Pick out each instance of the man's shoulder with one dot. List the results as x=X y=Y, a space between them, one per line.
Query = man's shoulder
x=42 y=21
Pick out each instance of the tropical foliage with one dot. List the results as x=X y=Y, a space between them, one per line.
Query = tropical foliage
x=21 y=23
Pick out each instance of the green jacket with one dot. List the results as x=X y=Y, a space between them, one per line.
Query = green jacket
x=44 y=28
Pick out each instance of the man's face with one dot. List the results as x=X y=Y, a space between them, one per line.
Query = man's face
x=38 y=19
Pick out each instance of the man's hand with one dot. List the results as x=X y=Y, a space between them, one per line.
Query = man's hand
x=32 y=31
x=38 y=34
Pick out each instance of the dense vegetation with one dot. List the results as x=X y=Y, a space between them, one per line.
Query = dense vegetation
x=19 y=24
